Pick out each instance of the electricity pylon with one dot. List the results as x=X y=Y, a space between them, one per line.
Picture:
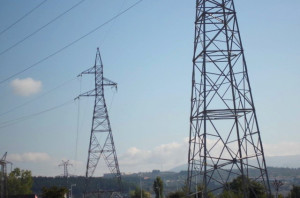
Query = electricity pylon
x=224 y=140
x=101 y=138
x=3 y=176
x=65 y=164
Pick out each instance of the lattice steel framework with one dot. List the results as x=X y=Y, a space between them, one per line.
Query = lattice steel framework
x=224 y=140
x=101 y=139
x=3 y=176
x=65 y=164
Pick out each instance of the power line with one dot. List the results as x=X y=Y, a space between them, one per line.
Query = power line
x=73 y=42
x=109 y=29
x=23 y=118
x=39 y=29
x=20 y=19
x=77 y=126
x=28 y=102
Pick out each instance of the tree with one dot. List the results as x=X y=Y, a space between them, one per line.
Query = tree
x=137 y=193
x=185 y=188
x=230 y=194
x=280 y=196
x=200 y=188
x=19 y=182
x=158 y=187
x=235 y=188
x=177 y=194
x=54 y=192
x=182 y=193
x=295 y=192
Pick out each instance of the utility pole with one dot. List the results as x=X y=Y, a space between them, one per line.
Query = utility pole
x=71 y=190
x=101 y=138
x=3 y=176
x=224 y=138
x=141 y=187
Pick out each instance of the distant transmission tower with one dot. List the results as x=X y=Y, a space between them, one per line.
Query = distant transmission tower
x=101 y=139
x=225 y=141
x=65 y=164
x=3 y=176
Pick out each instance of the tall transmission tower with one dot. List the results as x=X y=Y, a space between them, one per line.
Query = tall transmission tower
x=224 y=140
x=101 y=139
x=3 y=176
x=65 y=164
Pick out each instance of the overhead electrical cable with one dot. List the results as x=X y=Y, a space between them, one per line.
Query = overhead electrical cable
x=23 y=118
x=77 y=125
x=109 y=107
x=36 y=98
x=20 y=19
x=70 y=44
x=39 y=29
x=109 y=29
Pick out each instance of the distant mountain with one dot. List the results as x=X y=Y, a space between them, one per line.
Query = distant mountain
x=289 y=161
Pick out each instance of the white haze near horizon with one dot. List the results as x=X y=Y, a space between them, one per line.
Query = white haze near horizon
x=164 y=157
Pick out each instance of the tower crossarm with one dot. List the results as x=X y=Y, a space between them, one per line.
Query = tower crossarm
x=88 y=71
x=4 y=157
x=88 y=93
x=93 y=92
x=107 y=82
x=3 y=160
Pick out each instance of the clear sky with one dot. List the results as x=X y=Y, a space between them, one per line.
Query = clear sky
x=148 y=52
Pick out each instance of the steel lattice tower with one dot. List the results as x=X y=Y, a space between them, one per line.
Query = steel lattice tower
x=65 y=164
x=101 y=139
x=224 y=141
x=3 y=176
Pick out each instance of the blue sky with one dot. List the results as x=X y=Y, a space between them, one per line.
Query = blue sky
x=148 y=52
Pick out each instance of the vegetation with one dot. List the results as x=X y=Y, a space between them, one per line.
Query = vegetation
x=200 y=195
x=176 y=194
x=19 y=182
x=95 y=183
x=158 y=187
x=183 y=192
x=137 y=193
x=172 y=181
x=295 y=192
x=280 y=196
x=179 y=193
x=54 y=192
x=236 y=189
